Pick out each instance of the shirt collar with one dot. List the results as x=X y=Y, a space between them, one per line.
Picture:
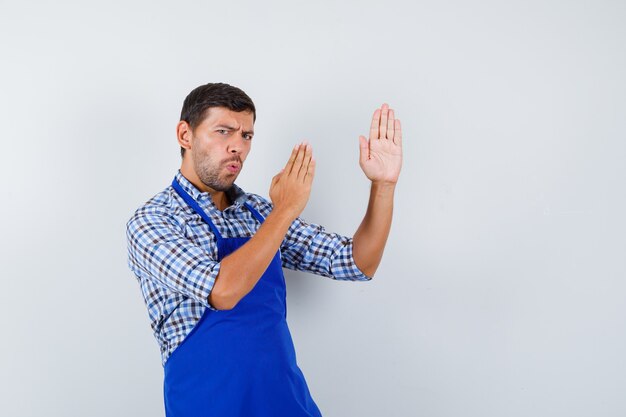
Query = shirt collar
x=234 y=193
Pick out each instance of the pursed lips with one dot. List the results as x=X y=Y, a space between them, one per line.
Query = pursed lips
x=233 y=166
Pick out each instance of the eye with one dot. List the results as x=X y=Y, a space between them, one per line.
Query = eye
x=247 y=136
x=222 y=131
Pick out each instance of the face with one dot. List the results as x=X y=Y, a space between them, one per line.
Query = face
x=220 y=145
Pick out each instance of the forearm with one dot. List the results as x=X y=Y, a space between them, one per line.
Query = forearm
x=242 y=269
x=370 y=238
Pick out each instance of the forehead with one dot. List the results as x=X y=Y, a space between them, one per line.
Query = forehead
x=214 y=116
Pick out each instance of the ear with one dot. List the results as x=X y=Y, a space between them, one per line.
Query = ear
x=184 y=134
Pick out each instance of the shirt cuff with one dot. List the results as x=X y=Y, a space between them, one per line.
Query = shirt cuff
x=344 y=267
x=205 y=290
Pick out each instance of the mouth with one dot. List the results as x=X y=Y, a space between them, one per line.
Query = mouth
x=233 y=167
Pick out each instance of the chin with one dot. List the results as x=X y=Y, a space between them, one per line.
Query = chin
x=225 y=185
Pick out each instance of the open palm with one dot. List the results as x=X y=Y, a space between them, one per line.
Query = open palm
x=381 y=155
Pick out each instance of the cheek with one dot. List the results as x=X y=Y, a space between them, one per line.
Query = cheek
x=245 y=153
x=201 y=148
x=201 y=155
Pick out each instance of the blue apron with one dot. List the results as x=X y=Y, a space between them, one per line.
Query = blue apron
x=239 y=362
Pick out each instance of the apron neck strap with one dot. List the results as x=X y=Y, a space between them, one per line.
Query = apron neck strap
x=195 y=206
x=255 y=213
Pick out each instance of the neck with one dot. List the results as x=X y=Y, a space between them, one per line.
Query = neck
x=219 y=197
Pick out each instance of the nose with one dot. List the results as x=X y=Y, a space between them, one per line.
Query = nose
x=235 y=146
x=236 y=143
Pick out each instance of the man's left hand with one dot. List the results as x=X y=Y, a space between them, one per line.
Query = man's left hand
x=381 y=155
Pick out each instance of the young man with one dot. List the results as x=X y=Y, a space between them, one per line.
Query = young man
x=209 y=257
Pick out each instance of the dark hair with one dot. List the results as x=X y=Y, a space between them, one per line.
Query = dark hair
x=198 y=102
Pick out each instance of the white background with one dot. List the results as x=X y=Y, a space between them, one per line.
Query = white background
x=501 y=292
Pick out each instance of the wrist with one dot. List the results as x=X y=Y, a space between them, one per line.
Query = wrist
x=383 y=187
x=283 y=216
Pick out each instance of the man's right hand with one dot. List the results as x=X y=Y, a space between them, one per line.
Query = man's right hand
x=290 y=188
x=242 y=269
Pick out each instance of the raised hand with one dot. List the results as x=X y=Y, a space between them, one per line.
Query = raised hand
x=381 y=155
x=291 y=187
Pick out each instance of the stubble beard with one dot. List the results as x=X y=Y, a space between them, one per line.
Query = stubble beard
x=208 y=171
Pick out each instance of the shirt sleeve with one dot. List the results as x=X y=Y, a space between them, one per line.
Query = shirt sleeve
x=309 y=247
x=157 y=247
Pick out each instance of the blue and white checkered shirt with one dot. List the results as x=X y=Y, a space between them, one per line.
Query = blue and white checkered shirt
x=173 y=253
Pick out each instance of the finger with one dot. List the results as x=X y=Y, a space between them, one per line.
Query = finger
x=364 y=149
x=310 y=172
x=308 y=153
x=292 y=159
x=297 y=164
x=390 y=125
x=397 y=138
x=382 y=131
x=375 y=124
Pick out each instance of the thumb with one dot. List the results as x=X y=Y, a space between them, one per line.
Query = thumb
x=277 y=177
x=364 y=149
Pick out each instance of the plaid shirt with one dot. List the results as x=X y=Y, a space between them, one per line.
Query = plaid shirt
x=173 y=253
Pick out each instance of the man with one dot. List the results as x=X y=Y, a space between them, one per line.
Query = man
x=209 y=256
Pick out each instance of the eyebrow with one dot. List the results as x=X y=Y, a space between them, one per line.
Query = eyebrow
x=232 y=128
x=225 y=127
